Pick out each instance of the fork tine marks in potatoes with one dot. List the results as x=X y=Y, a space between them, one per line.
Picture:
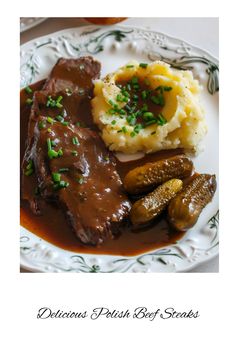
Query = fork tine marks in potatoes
x=149 y=207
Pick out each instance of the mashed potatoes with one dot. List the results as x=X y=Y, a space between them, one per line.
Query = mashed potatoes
x=149 y=107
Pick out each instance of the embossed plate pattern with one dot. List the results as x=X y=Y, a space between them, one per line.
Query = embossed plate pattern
x=114 y=46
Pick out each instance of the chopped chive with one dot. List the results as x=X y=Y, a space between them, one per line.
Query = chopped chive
x=65 y=123
x=30 y=165
x=52 y=154
x=113 y=122
x=119 y=98
x=138 y=113
x=131 y=120
x=54 y=103
x=161 y=120
x=56 y=177
x=124 y=129
x=58 y=104
x=167 y=88
x=132 y=134
x=28 y=90
x=50 y=102
x=59 y=118
x=61 y=184
x=80 y=180
x=78 y=124
x=136 y=87
x=111 y=103
x=60 y=152
x=126 y=93
x=134 y=80
x=159 y=99
x=128 y=87
x=148 y=115
x=122 y=112
x=50 y=120
x=144 y=95
x=64 y=169
x=42 y=125
x=137 y=128
x=29 y=172
x=29 y=101
x=75 y=140
x=129 y=66
x=74 y=153
x=53 y=143
x=128 y=108
x=135 y=97
x=49 y=144
x=143 y=65
x=163 y=88
x=49 y=130
x=144 y=108
x=112 y=111
x=150 y=122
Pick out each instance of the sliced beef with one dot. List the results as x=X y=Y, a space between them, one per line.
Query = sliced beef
x=71 y=163
x=73 y=75
x=71 y=79
x=82 y=178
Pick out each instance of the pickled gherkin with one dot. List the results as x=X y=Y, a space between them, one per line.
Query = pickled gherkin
x=147 y=208
x=144 y=178
x=185 y=208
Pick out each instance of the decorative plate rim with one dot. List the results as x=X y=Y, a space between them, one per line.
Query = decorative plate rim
x=93 y=268
x=124 y=27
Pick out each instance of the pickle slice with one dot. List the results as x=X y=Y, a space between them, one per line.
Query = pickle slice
x=147 y=208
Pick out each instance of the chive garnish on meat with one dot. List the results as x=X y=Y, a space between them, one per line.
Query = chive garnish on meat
x=56 y=177
x=75 y=140
x=28 y=90
x=29 y=101
x=64 y=169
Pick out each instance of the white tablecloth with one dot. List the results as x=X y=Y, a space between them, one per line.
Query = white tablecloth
x=202 y=32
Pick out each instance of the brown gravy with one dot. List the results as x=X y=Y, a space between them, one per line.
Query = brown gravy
x=54 y=228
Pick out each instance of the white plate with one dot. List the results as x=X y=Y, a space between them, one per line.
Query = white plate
x=114 y=46
x=29 y=22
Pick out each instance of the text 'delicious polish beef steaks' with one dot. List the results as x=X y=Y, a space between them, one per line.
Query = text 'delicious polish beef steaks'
x=70 y=163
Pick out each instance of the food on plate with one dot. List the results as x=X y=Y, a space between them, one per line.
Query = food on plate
x=144 y=178
x=149 y=107
x=66 y=159
x=74 y=190
x=185 y=208
x=70 y=81
x=149 y=207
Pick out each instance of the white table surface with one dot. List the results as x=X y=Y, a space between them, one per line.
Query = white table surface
x=202 y=32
